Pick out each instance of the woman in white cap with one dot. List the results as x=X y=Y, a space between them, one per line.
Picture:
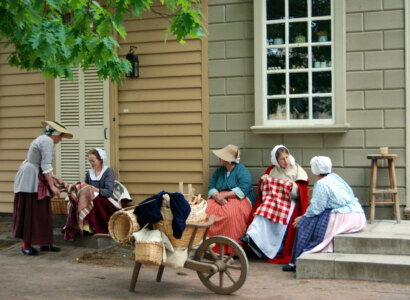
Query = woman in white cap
x=230 y=196
x=34 y=184
x=269 y=235
x=333 y=210
x=102 y=179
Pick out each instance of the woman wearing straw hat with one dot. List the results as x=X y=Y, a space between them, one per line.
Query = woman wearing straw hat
x=230 y=196
x=33 y=186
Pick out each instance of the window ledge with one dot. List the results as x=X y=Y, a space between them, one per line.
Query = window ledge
x=338 y=128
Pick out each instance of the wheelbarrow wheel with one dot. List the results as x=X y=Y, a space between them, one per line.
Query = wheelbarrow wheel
x=232 y=269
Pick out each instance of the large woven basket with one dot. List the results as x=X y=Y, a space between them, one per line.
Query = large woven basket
x=148 y=253
x=122 y=225
x=58 y=206
x=166 y=227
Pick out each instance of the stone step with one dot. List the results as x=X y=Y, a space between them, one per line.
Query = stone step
x=368 y=242
x=86 y=241
x=371 y=267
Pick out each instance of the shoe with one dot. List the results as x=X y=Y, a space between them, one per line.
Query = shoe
x=245 y=239
x=289 y=268
x=50 y=248
x=30 y=251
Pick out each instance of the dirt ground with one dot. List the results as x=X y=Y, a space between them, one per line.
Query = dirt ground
x=120 y=256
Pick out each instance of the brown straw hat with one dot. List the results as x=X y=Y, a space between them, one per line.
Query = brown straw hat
x=229 y=153
x=59 y=127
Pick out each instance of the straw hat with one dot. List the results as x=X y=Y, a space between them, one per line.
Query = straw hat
x=229 y=153
x=59 y=127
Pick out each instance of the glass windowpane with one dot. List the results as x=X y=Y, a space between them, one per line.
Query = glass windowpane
x=275 y=34
x=298 y=58
x=275 y=9
x=298 y=83
x=276 y=84
x=299 y=108
x=298 y=32
x=276 y=109
x=320 y=8
x=321 y=57
x=321 y=31
x=322 y=107
x=297 y=9
x=322 y=82
x=276 y=58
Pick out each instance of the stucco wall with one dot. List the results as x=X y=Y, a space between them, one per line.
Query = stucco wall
x=375 y=94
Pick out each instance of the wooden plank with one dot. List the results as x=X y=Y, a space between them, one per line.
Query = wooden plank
x=148 y=188
x=160 y=47
x=22 y=100
x=136 y=25
x=6 y=186
x=161 y=83
x=160 y=177
x=20 y=122
x=20 y=133
x=161 y=165
x=21 y=79
x=154 y=153
x=171 y=59
x=28 y=111
x=146 y=37
x=10 y=165
x=15 y=90
x=7 y=176
x=160 y=118
x=160 y=106
x=160 y=142
x=159 y=95
x=6 y=69
x=6 y=206
x=169 y=70
x=13 y=155
x=161 y=130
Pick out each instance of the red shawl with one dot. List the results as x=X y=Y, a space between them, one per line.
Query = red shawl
x=299 y=210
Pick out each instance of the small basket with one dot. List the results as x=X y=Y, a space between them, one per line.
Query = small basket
x=122 y=225
x=198 y=209
x=58 y=206
x=148 y=253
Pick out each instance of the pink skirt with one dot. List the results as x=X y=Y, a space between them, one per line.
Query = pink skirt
x=338 y=224
x=231 y=219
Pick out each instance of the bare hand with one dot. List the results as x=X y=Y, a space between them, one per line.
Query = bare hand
x=296 y=222
x=264 y=177
x=55 y=190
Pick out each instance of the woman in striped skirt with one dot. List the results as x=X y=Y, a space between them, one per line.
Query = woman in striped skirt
x=230 y=196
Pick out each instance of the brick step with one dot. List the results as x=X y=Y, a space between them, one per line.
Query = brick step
x=371 y=267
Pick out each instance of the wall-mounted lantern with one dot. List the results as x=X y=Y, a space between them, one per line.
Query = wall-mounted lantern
x=135 y=64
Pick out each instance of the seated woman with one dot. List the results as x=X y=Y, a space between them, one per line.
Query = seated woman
x=102 y=179
x=333 y=210
x=230 y=196
x=271 y=237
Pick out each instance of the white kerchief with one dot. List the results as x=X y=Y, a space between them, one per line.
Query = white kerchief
x=95 y=178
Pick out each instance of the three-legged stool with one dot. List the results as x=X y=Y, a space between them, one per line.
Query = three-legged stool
x=394 y=201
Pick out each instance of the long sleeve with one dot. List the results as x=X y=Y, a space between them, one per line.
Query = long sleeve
x=107 y=183
x=244 y=182
x=318 y=203
x=212 y=183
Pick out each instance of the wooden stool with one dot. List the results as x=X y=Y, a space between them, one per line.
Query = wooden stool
x=394 y=201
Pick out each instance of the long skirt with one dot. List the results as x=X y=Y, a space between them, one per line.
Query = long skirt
x=231 y=219
x=99 y=216
x=268 y=235
x=33 y=219
x=340 y=223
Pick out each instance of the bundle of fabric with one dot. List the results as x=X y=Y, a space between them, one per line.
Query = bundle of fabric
x=80 y=204
x=276 y=201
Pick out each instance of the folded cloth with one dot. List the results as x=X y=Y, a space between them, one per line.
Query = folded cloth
x=276 y=200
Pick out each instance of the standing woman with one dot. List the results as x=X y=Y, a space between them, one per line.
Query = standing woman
x=230 y=196
x=34 y=184
x=102 y=179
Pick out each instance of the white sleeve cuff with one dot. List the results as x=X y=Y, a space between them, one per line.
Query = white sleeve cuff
x=47 y=168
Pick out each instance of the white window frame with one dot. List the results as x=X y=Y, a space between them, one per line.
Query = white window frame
x=338 y=123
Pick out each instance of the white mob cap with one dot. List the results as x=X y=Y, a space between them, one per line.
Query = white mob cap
x=321 y=165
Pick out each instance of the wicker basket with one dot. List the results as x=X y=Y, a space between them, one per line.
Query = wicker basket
x=198 y=209
x=58 y=206
x=166 y=227
x=149 y=253
x=122 y=225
